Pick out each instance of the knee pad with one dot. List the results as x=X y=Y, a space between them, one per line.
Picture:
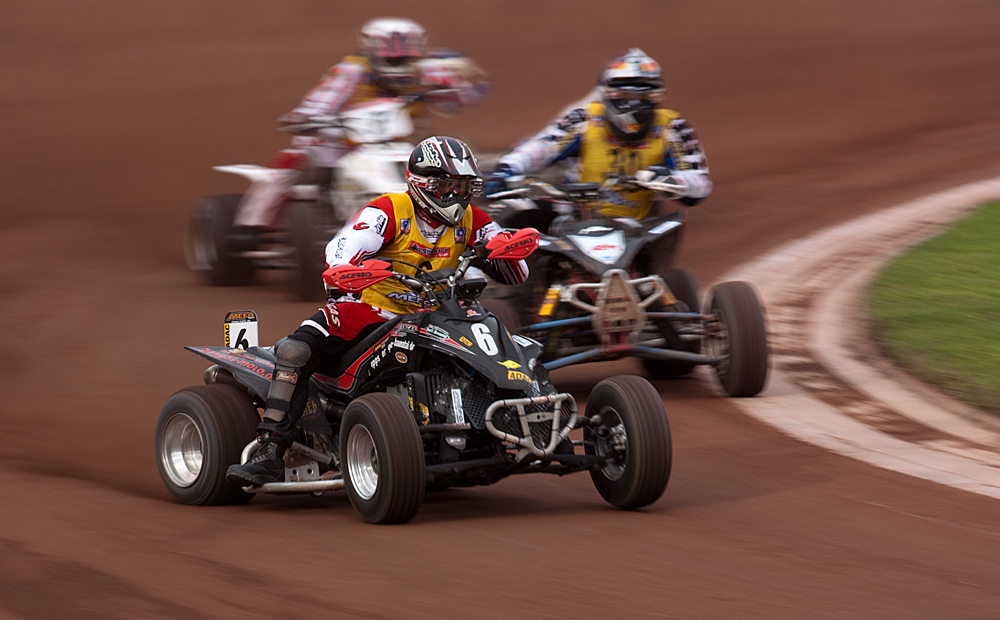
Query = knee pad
x=292 y=353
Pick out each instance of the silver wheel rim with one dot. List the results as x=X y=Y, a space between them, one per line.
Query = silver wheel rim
x=362 y=461
x=181 y=450
x=614 y=470
x=718 y=346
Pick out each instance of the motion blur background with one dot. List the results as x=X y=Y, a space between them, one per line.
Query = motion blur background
x=112 y=113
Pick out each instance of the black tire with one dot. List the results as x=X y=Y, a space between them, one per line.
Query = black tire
x=208 y=244
x=382 y=459
x=505 y=311
x=311 y=229
x=685 y=287
x=638 y=475
x=741 y=339
x=201 y=431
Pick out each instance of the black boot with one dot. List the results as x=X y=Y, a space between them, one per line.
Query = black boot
x=266 y=465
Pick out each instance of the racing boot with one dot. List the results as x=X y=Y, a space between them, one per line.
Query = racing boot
x=268 y=463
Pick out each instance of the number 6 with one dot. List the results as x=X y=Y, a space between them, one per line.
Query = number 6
x=484 y=338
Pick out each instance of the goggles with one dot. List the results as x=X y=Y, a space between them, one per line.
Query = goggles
x=462 y=187
x=632 y=95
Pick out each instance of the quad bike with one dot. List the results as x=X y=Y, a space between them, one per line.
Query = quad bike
x=317 y=207
x=441 y=397
x=603 y=288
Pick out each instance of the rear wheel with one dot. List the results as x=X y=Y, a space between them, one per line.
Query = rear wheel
x=208 y=244
x=685 y=287
x=201 y=431
x=311 y=228
x=630 y=430
x=382 y=459
x=739 y=336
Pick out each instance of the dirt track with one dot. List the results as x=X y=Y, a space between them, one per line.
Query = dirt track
x=112 y=114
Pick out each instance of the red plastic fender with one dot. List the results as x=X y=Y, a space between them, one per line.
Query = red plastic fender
x=514 y=247
x=353 y=278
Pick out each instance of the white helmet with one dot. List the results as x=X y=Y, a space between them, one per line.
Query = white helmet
x=631 y=86
x=393 y=46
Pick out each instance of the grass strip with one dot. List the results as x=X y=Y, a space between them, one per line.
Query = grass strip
x=936 y=310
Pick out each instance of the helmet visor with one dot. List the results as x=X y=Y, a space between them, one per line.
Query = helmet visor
x=459 y=187
x=632 y=97
x=447 y=187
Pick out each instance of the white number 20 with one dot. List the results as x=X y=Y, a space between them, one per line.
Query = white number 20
x=484 y=338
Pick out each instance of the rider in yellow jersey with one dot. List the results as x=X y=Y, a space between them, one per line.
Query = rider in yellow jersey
x=428 y=227
x=617 y=130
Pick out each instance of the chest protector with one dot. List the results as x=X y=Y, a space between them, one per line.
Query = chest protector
x=601 y=154
x=369 y=90
x=410 y=246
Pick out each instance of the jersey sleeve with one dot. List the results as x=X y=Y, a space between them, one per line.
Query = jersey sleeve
x=364 y=235
x=683 y=151
x=505 y=271
x=333 y=90
x=559 y=140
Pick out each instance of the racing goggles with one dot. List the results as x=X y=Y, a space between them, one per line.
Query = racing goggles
x=463 y=187
x=626 y=97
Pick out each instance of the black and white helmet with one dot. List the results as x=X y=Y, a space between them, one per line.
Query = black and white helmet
x=443 y=176
x=631 y=87
x=393 y=47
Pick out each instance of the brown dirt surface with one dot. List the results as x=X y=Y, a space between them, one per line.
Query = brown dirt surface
x=113 y=111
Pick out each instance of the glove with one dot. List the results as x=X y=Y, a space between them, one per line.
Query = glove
x=697 y=182
x=497 y=181
x=292 y=118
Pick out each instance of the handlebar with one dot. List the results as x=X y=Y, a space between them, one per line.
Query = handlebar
x=310 y=124
x=671 y=187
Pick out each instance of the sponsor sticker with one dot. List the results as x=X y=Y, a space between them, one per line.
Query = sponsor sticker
x=522 y=341
x=436 y=332
x=516 y=375
x=332 y=315
x=460 y=235
x=401 y=344
x=380 y=223
x=510 y=364
x=401 y=357
x=465 y=341
x=429 y=252
x=404 y=226
x=406 y=296
x=456 y=405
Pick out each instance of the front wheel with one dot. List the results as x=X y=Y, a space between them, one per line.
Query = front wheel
x=630 y=430
x=382 y=459
x=738 y=335
x=201 y=431
x=208 y=245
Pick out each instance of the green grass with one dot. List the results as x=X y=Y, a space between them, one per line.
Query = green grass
x=936 y=310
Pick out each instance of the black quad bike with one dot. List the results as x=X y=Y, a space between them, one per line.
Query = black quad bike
x=442 y=397
x=603 y=288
